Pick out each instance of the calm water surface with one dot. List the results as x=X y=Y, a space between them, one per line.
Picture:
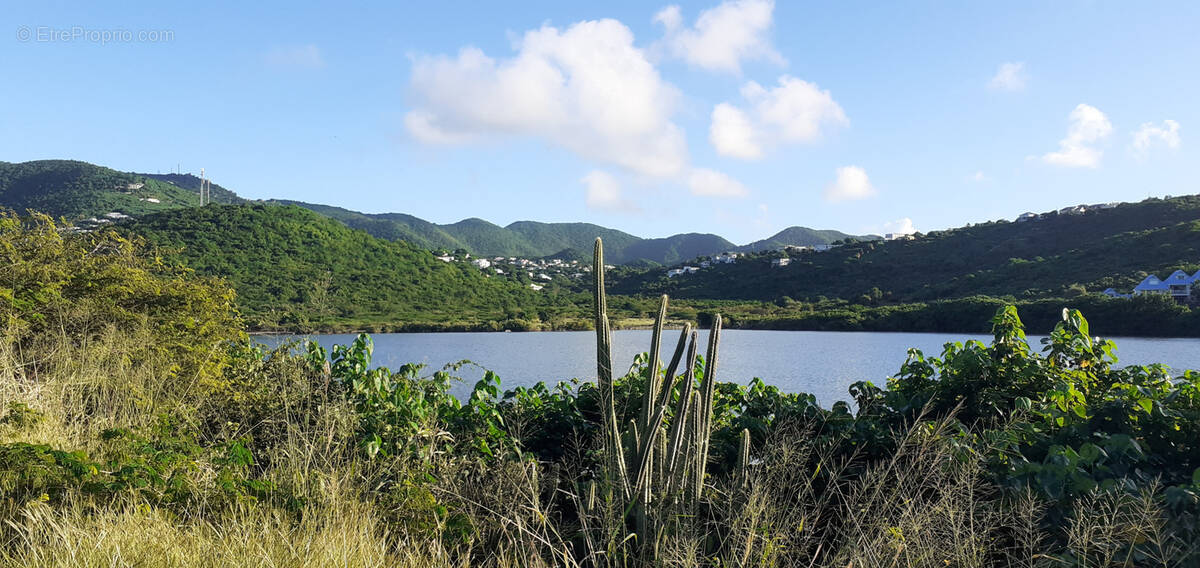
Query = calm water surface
x=818 y=362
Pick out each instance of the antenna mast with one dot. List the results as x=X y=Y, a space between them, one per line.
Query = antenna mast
x=205 y=189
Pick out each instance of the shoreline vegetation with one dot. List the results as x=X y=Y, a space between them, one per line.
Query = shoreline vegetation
x=139 y=426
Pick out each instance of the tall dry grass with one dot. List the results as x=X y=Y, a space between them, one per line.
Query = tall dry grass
x=925 y=506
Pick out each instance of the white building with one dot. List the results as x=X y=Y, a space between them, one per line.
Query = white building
x=1027 y=216
x=674 y=272
x=780 y=262
x=481 y=263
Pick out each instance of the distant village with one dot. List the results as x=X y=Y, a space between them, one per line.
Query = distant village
x=539 y=270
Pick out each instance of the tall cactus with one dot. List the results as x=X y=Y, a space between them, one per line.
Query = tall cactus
x=666 y=459
x=614 y=452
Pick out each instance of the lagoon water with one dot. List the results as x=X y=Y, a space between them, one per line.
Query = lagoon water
x=818 y=362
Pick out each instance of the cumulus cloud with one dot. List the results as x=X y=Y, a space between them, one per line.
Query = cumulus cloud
x=586 y=88
x=1087 y=126
x=722 y=37
x=900 y=227
x=298 y=56
x=708 y=182
x=852 y=183
x=604 y=193
x=793 y=111
x=1009 y=77
x=1145 y=137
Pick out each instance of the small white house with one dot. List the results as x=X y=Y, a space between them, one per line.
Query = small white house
x=445 y=258
x=544 y=276
x=536 y=287
x=1027 y=216
x=780 y=262
x=822 y=248
x=674 y=272
x=481 y=263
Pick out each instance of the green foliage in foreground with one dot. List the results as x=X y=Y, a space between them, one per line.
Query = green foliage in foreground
x=997 y=454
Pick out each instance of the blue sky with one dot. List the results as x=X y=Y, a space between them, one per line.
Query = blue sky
x=737 y=118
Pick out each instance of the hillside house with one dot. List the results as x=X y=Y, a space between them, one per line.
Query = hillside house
x=780 y=262
x=1179 y=285
x=481 y=263
x=674 y=272
x=1113 y=293
x=822 y=248
x=726 y=258
x=1150 y=285
x=1027 y=216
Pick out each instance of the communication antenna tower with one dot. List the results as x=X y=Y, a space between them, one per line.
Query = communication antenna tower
x=205 y=189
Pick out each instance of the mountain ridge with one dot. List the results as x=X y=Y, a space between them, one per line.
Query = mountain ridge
x=77 y=190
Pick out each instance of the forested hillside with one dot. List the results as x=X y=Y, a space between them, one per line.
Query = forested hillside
x=799 y=236
x=535 y=239
x=293 y=268
x=74 y=190
x=1057 y=255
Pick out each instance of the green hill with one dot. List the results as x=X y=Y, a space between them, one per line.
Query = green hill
x=675 y=248
x=799 y=237
x=528 y=239
x=1048 y=257
x=77 y=190
x=294 y=268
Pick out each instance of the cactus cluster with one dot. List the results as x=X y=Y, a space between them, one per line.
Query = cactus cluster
x=664 y=465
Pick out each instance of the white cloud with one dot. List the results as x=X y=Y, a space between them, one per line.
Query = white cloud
x=794 y=111
x=716 y=184
x=852 y=183
x=1088 y=126
x=733 y=133
x=1009 y=77
x=722 y=37
x=1145 y=136
x=604 y=193
x=303 y=56
x=900 y=227
x=586 y=88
